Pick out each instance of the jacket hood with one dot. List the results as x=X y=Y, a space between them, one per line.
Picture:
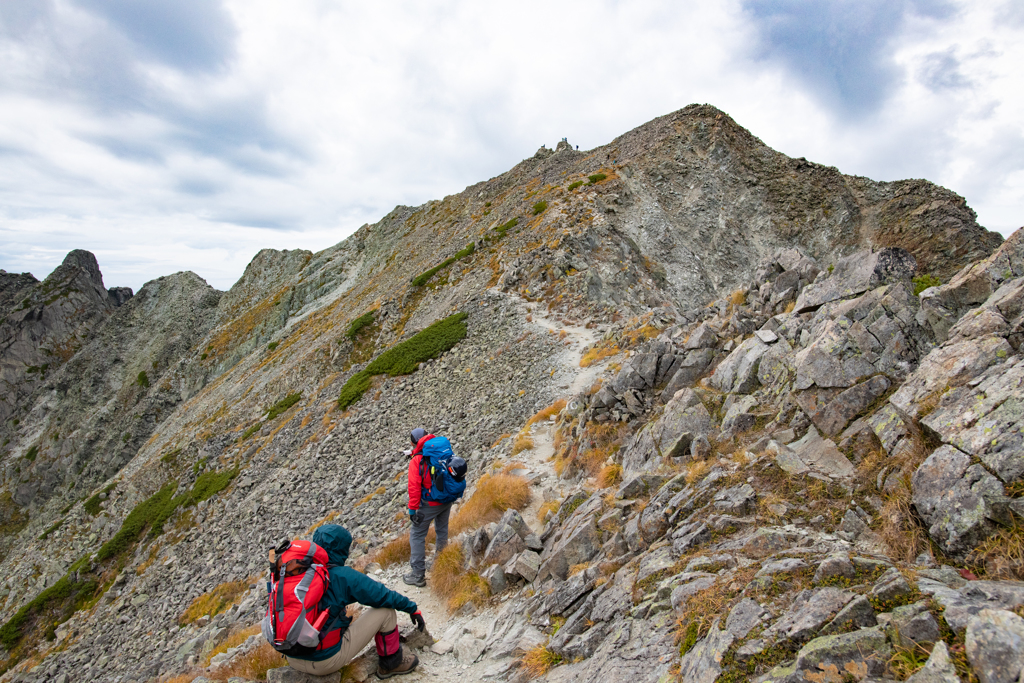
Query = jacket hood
x=336 y=540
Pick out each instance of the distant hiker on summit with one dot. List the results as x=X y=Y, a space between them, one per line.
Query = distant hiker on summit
x=437 y=478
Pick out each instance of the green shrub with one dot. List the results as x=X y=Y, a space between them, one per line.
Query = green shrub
x=92 y=506
x=204 y=356
x=272 y=345
x=138 y=520
x=597 y=177
x=50 y=530
x=403 y=358
x=539 y=207
x=171 y=457
x=65 y=597
x=423 y=278
x=574 y=185
x=283 y=405
x=31 y=454
x=359 y=323
x=142 y=380
x=923 y=282
x=505 y=227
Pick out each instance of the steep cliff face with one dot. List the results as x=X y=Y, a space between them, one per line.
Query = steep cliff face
x=45 y=324
x=691 y=293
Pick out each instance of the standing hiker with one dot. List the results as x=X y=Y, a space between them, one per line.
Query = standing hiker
x=341 y=638
x=436 y=481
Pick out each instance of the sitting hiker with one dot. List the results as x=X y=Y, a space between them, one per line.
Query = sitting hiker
x=422 y=512
x=347 y=586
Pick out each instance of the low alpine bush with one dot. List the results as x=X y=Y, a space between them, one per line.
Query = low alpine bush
x=423 y=278
x=359 y=323
x=403 y=358
x=539 y=207
x=283 y=405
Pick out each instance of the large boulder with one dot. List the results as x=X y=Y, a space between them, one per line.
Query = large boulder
x=688 y=371
x=856 y=274
x=956 y=500
x=576 y=541
x=684 y=419
x=995 y=646
x=738 y=372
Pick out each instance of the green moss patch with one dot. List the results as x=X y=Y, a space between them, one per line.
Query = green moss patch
x=539 y=208
x=92 y=506
x=359 y=323
x=403 y=358
x=423 y=278
x=283 y=405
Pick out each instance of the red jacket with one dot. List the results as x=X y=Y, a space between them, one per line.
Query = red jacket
x=417 y=480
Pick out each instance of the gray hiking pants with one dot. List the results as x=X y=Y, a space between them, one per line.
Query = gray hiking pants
x=418 y=536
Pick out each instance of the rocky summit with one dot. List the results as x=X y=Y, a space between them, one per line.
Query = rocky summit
x=729 y=416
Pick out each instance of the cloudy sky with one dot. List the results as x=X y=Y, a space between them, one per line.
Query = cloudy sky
x=168 y=135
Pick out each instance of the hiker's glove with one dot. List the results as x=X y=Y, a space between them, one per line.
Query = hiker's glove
x=417 y=620
x=416 y=516
x=407 y=452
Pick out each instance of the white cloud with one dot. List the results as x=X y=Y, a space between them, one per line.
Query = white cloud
x=311 y=118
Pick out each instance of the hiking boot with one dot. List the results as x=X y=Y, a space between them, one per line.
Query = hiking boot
x=414 y=579
x=397 y=664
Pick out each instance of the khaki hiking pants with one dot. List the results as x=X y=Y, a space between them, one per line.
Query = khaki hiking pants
x=358 y=634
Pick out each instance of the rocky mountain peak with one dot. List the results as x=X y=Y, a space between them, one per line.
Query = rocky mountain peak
x=761 y=419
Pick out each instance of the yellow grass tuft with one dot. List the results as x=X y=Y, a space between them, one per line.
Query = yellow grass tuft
x=546 y=413
x=380 y=491
x=598 y=354
x=738 y=297
x=610 y=475
x=500 y=439
x=493 y=495
x=213 y=602
x=538 y=661
x=522 y=443
x=550 y=506
x=697 y=470
x=253 y=667
x=450 y=580
x=393 y=552
x=233 y=640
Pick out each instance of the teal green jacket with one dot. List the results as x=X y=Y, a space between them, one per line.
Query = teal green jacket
x=347 y=586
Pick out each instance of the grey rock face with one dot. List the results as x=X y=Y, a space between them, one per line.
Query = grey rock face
x=685 y=418
x=810 y=610
x=995 y=646
x=938 y=669
x=861 y=653
x=856 y=274
x=953 y=497
x=738 y=372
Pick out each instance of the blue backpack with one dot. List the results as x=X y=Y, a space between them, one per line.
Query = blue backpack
x=447 y=471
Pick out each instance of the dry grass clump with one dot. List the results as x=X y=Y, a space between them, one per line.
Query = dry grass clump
x=233 y=640
x=369 y=496
x=393 y=552
x=738 y=297
x=546 y=413
x=253 y=667
x=493 y=495
x=522 y=443
x=451 y=581
x=1001 y=555
x=765 y=503
x=610 y=475
x=550 y=506
x=213 y=602
x=900 y=529
x=537 y=661
x=599 y=353
x=500 y=439
x=697 y=470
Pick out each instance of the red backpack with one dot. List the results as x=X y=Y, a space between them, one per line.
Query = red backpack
x=294 y=624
